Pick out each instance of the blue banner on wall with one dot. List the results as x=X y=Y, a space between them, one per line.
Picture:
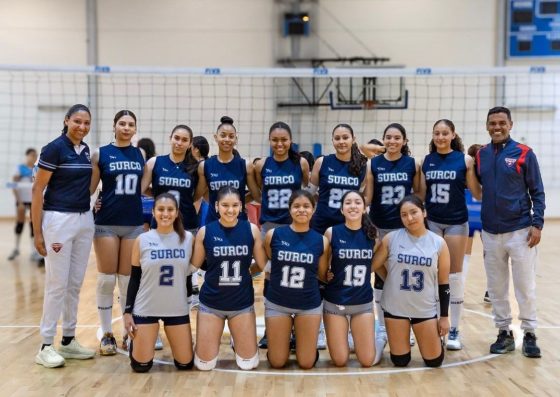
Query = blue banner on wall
x=533 y=28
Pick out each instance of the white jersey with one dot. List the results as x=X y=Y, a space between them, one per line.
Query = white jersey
x=411 y=286
x=165 y=262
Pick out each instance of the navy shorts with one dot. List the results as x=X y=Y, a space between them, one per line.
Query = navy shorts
x=171 y=320
x=413 y=320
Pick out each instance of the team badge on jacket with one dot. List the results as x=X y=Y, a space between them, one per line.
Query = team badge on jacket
x=56 y=247
x=510 y=162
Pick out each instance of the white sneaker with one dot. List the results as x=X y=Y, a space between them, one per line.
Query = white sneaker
x=76 y=351
x=380 y=343
x=159 y=343
x=321 y=340
x=49 y=358
x=194 y=302
x=412 y=340
x=454 y=340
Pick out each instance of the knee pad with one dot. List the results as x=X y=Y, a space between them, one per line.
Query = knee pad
x=189 y=285
x=106 y=283
x=202 y=365
x=140 y=367
x=378 y=282
x=435 y=362
x=247 y=363
x=401 y=360
x=184 y=367
x=19 y=227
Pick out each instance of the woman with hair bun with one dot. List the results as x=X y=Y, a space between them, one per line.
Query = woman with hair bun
x=227 y=168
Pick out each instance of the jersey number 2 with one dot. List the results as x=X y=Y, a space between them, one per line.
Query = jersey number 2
x=166 y=275
x=292 y=276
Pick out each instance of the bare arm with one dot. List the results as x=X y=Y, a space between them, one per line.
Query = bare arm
x=472 y=181
x=368 y=194
x=147 y=176
x=380 y=257
x=371 y=150
x=315 y=173
x=257 y=169
x=324 y=261
x=444 y=264
x=417 y=181
x=252 y=184
x=422 y=190
x=258 y=249
x=305 y=171
x=95 y=172
x=199 y=252
x=267 y=240
x=42 y=179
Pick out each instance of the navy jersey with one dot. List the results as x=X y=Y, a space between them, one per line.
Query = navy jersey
x=220 y=174
x=68 y=188
x=121 y=171
x=170 y=177
x=334 y=180
x=279 y=180
x=228 y=284
x=392 y=181
x=446 y=176
x=294 y=264
x=352 y=254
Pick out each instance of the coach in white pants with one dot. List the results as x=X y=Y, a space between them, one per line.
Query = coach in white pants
x=513 y=203
x=63 y=228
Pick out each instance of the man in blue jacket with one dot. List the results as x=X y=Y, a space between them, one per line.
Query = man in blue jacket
x=512 y=219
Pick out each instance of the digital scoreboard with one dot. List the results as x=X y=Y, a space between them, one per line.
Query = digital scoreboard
x=533 y=28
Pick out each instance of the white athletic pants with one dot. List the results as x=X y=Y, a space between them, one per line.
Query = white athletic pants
x=68 y=238
x=498 y=249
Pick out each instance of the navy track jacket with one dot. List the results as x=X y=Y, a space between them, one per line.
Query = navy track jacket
x=512 y=188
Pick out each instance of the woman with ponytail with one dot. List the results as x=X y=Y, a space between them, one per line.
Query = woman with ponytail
x=446 y=171
x=348 y=297
x=334 y=175
x=120 y=167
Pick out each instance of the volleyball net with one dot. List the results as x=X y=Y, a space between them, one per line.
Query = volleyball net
x=34 y=99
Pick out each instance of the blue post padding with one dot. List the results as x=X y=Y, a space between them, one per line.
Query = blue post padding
x=317 y=149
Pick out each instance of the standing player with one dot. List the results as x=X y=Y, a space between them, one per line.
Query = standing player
x=415 y=265
x=348 y=295
x=278 y=176
x=512 y=219
x=390 y=177
x=63 y=232
x=176 y=173
x=229 y=246
x=119 y=221
x=334 y=175
x=446 y=171
x=158 y=289
x=298 y=256
x=23 y=179
x=227 y=168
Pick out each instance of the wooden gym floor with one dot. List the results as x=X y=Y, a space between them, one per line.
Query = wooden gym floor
x=469 y=371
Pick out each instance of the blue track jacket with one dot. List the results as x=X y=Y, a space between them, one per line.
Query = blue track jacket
x=512 y=188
